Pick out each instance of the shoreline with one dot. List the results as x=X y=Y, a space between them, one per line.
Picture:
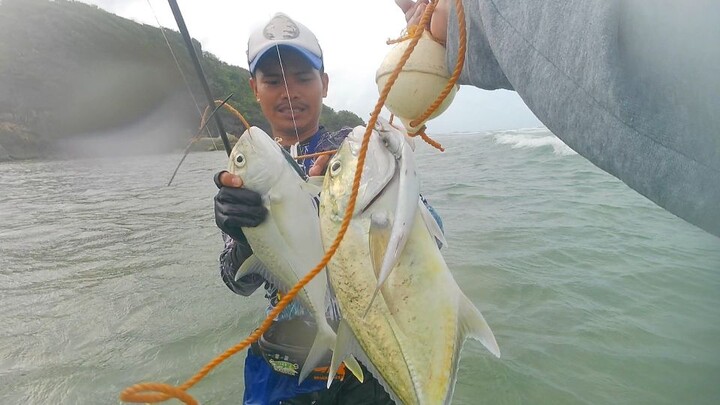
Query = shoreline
x=18 y=144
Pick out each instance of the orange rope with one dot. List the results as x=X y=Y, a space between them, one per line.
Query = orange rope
x=204 y=119
x=421 y=133
x=162 y=392
x=435 y=144
x=230 y=108
x=165 y=392
x=136 y=393
x=316 y=154
x=235 y=112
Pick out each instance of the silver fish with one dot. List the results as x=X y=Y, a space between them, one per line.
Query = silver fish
x=412 y=334
x=406 y=203
x=287 y=244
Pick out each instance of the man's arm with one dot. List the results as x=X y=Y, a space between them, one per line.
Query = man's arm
x=231 y=258
x=615 y=81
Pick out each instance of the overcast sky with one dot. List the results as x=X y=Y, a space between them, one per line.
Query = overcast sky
x=353 y=36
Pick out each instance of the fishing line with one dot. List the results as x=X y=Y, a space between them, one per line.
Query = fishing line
x=293 y=148
x=177 y=63
x=203 y=125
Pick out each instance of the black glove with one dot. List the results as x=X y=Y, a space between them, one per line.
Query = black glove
x=236 y=208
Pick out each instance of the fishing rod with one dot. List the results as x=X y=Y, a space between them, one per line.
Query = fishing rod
x=196 y=62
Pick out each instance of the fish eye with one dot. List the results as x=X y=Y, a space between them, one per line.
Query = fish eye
x=240 y=160
x=335 y=167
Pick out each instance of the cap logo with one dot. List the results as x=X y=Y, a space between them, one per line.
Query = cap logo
x=280 y=28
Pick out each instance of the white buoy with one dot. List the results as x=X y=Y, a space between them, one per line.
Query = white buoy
x=420 y=82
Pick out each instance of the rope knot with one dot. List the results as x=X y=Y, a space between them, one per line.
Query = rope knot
x=421 y=133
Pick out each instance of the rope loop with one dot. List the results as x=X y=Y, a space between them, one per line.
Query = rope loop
x=425 y=137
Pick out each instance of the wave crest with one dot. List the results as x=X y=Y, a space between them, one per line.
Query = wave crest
x=532 y=139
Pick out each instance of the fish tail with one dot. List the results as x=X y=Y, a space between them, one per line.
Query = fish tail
x=341 y=353
x=473 y=325
x=324 y=341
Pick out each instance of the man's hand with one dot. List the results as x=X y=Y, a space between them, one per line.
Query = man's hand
x=413 y=10
x=438 y=24
x=318 y=168
x=236 y=207
x=227 y=179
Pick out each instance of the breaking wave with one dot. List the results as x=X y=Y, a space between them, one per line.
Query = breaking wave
x=532 y=138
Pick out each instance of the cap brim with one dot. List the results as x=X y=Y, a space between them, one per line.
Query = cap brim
x=314 y=60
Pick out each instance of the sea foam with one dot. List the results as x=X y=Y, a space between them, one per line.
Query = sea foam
x=532 y=138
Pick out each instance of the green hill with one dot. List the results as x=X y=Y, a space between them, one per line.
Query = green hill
x=70 y=70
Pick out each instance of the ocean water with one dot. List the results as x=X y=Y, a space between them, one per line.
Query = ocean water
x=596 y=296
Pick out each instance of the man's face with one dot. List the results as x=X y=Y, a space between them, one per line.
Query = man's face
x=306 y=88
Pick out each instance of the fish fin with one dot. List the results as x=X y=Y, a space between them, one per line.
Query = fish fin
x=341 y=353
x=352 y=364
x=311 y=187
x=432 y=224
x=251 y=265
x=378 y=237
x=473 y=325
x=254 y=265
x=316 y=181
x=325 y=340
x=404 y=214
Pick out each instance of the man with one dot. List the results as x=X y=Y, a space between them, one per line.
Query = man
x=633 y=86
x=289 y=82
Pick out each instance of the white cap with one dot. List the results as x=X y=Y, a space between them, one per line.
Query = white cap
x=282 y=30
